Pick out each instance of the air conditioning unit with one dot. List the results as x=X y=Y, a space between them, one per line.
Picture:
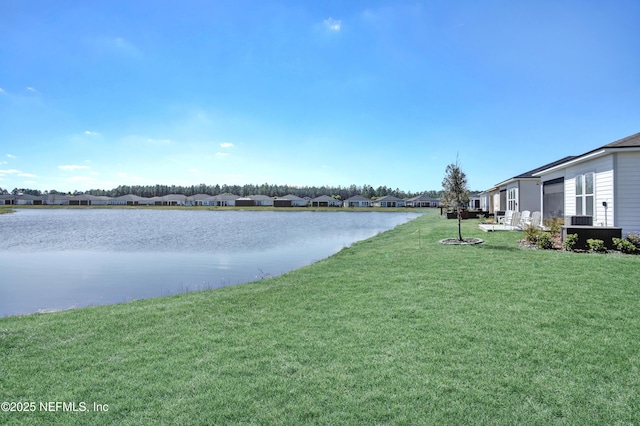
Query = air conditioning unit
x=581 y=220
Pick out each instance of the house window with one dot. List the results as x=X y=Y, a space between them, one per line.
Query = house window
x=512 y=203
x=584 y=194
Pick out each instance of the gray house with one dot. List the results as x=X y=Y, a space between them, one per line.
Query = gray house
x=519 y=193
x=325 y=201
x=602 y=184
x=422 y=201
x=389 y=201
x=222 y=200
x=357 y=201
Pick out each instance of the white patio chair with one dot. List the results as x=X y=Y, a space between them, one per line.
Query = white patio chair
x=535 y=220
x=525 y=217
x=514 y=221
x=506 y=218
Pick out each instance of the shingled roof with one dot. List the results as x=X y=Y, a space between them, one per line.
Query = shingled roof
x=632 y=141
x=530 y=173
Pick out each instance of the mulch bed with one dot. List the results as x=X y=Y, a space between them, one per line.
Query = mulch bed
x=465 y=241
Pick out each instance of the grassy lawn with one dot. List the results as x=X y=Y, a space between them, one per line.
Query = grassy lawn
x=395 y=329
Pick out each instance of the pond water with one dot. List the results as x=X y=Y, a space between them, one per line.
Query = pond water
x=59 y=259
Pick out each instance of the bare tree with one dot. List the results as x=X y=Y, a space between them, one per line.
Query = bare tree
x=456 y=191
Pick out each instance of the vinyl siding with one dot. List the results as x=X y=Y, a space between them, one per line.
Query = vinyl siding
x=603 y=188
x=628 y=191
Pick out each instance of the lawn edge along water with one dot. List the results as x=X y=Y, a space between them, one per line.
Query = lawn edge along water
x=394 y=329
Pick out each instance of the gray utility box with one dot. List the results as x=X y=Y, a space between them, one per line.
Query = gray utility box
x=581 y=220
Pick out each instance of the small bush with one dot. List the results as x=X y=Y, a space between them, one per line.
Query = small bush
x=625 y=246
x=545 y=241
x=634 y=238
x=570 y=242
x=596 y=246
x=554 y=224
x=531 y=234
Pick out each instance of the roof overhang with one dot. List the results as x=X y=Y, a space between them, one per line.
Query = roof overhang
x=589 y=156
x=516 y=179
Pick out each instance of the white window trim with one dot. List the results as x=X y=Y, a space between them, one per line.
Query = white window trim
x=581 y=199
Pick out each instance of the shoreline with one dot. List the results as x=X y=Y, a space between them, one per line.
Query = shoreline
x=423 y=210
x=397 y=328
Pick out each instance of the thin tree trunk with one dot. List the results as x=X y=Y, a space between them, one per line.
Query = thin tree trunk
x=459 y=224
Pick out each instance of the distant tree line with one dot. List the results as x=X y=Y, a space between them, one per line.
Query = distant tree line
x=270 y=190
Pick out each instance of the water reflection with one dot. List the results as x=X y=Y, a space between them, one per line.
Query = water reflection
x=57 y=259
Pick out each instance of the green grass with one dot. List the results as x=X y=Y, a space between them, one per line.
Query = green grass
x=395 y=329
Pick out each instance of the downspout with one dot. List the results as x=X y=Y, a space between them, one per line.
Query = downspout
x=615 y=192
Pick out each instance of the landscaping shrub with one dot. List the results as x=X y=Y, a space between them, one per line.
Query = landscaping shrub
x=625 y=246
x=634 y=238
x=570 y=242
x=531 y=234
x=596 y=246
x=554 y=224
x=545 y=241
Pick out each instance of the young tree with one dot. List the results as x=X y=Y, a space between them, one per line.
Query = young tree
x=456 y=191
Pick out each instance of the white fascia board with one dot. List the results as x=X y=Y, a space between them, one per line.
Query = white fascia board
x=591 y=156
x=587 y=157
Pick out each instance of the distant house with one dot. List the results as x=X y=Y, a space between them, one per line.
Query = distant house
x=254 y=200
x=474 y=202
x=88 y=200
x=222 y=200
x=603 y=184
x=325 y=201
x=127 y=200
x=389 y=201
x=7 y=199
x=27 y=200
x=197 y=199
x=290 y=201
x=55 y=200
x=422 y=201
x=357 y=201
x=245 y=202
x=171 y=200
x=519 y=193
x=261 y=200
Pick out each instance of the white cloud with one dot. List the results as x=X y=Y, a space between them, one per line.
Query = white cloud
x=30 y=181
x=72 y=167
x=26 y=174
x=222 y=154
x=11 y=156
x=193 y=171
x=226 y=145
x=9 y=172
x=2 y=91
x=31 y=89
x=333 y=24
x=90 y=133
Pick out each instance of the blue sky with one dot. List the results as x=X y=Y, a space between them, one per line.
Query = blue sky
x=99 y=94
